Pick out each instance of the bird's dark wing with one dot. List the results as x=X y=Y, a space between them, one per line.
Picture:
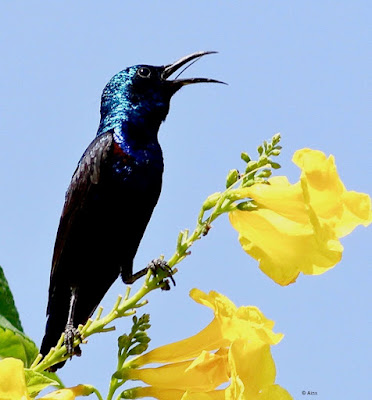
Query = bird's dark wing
x=84 y=182
x=85 y=178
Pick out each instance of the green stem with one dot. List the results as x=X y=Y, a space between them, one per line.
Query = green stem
x=120 y=309
x=97 y=393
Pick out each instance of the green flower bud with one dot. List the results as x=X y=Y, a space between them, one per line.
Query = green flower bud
x=265 y=173
x=246 y=206
x=145 y=318
x=141 y=337
x=139 y=349
x=144 y=327
x=275 y=165
x=251 y=165
x=123 y=341
x=275 y=152
x=275 y=139
x=245 y=157
x=129 y=393
x=248 y=182
x=211 y=201
x=232 y=177
x=263 y=160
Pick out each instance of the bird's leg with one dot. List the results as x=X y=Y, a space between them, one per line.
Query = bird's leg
x=70 y=331
x=154 y=266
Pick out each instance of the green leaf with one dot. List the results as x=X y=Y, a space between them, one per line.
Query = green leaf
x=14 y=343
x=7 y=305
x=37 y=381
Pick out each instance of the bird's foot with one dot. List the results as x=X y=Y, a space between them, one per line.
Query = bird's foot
x=155 y=266
x=71 y=333
x=160 y=265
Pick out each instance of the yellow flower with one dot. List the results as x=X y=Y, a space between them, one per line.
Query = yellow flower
x=203 y=373
x=229 y=323
x=69 y=393
x=234 y=348
x=296 y=228
x=12 y=380
x=13 y=384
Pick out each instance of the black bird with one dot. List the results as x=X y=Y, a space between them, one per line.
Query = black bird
x=111 y=196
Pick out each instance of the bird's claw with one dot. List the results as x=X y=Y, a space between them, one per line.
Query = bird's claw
x=155 y=265
x=70 y=334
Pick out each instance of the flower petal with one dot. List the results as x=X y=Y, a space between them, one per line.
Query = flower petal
x=214 y=395
x=253 y=364
x=203 y=374
x=328 y=195
x=157 y=393
x=12 y=380
x=207 y=339
x=285 y=247
x=244 y=322
x=69 y=393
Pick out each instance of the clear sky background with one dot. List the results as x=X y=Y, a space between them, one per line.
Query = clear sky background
x=296 y=67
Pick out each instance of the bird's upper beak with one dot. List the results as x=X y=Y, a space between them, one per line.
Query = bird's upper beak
x=178 y=83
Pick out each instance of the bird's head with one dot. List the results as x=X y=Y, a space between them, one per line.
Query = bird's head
x=141 y=93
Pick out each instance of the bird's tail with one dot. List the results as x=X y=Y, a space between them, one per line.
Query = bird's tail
x=55 y=326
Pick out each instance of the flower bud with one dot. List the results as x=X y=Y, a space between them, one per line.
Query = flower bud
x=275 y=152
x=263 y=160
x=275 y=165
x=139 y=349
x=265 y=173
x=211 y=201
x=232 y=177
x=245 y=157
x=123 y=340
x=251 y=165
x=275 y=139
x=142 y=337
x=246 y=206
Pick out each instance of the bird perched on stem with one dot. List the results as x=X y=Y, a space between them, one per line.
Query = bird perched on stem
x=111 y=197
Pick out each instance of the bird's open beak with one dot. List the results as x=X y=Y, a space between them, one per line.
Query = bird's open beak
x=178 y=83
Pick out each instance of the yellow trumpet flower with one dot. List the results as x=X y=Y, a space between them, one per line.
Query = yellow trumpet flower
x=233 y=349
x=296 y=228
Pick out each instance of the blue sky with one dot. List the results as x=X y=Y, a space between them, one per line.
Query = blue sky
x=296 y=67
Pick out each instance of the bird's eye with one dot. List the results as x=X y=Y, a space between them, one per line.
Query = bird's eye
x=144 y=72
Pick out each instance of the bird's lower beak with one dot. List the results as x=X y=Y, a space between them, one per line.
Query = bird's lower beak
x=178 y=83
